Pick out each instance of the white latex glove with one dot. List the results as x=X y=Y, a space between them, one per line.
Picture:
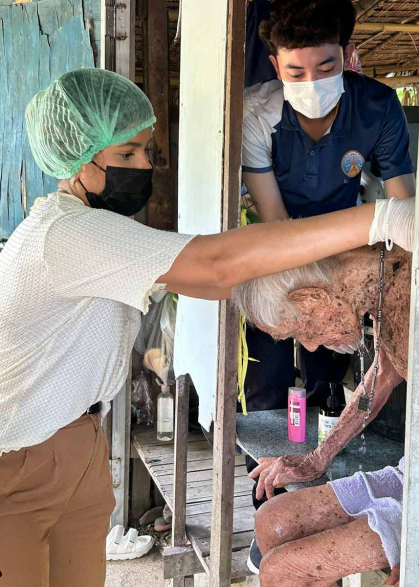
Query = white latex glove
x=394 y=219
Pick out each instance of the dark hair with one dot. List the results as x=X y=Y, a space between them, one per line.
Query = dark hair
x=296 y=24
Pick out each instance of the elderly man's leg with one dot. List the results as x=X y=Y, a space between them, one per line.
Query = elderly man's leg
x=297 y=514
x=321 y=559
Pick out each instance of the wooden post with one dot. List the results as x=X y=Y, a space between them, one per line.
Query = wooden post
x=225 y=423
x=156 y=82
x=410 y=531
x=180 y=468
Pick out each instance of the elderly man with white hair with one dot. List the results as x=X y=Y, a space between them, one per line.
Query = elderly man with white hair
x=300 y=535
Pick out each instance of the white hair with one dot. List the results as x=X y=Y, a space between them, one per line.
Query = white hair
x=265 y=301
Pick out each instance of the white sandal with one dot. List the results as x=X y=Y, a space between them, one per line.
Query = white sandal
x=130 y=546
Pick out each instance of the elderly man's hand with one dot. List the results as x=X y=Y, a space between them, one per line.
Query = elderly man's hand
x=394 y=577
x=276 y=472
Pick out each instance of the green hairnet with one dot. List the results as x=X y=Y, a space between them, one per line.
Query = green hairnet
x=81 y=113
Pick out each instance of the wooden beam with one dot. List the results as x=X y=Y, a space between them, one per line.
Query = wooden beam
x=180 y=561
x=378 y=48
x=358 y=46
x=399 y=80
x=390 y=39
x=386 y=27
x=225 y=422
x=156 y=68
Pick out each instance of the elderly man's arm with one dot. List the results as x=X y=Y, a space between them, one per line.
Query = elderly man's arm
x=283 y=470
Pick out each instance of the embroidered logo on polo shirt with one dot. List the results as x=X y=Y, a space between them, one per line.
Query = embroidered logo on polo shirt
x=352 y=163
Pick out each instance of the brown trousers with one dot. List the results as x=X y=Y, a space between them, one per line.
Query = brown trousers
x=55 y=502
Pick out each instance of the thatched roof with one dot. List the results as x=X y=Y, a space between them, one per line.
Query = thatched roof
x=384 y=52
x=381 y=51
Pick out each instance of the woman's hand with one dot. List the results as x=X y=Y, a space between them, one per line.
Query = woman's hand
x=394 y=576
x=399 y=217
x=274 y=472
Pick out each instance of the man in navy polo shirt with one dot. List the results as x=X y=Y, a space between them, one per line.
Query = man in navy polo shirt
x=308 y=133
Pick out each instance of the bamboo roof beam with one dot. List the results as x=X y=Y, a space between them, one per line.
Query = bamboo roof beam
x=358 y=46
x=391 y=38
x=386 y=27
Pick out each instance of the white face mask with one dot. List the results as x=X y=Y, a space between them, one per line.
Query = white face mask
x=314 y=99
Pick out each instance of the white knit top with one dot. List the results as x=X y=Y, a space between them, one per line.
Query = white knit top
x=73 y=284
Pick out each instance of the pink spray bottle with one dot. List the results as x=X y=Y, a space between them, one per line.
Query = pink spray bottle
x=297 y=406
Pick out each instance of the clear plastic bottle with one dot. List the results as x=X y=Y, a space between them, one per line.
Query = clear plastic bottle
x=165 y=417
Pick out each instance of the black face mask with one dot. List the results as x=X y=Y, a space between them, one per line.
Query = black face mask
x=126 y=191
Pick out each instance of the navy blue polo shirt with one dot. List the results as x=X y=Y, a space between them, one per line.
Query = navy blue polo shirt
x=324 y=176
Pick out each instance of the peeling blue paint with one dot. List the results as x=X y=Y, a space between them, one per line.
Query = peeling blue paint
x=38 y=42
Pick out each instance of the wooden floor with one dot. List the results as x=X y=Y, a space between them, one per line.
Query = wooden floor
x=159 y=460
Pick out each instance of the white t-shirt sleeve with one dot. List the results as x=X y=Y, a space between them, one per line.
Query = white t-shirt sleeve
x=96 y=253
x=257 y=149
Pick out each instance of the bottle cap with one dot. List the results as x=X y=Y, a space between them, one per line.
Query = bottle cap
x=297 y=392
x=332 y=401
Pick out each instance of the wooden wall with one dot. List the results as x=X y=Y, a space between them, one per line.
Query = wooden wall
x=38 y=42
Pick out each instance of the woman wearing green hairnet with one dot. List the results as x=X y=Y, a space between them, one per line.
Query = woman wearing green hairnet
x=75 y=278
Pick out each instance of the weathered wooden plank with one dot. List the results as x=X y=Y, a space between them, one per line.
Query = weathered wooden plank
x=180 y=561
x=199 y=495
x=206 y=475
x=206 y=506
x=163 y=450
x=50 y=38
x=239 y=570
x=200 y=525
x=241 y=540
x=181 y=449
x=203 y=559
x=240 y=484
x=225 y=423
x=144 y=435
x=140 y=489
x=194 y=465
x=194 y=455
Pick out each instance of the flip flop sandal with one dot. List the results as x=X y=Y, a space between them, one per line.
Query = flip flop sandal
x=128 y=547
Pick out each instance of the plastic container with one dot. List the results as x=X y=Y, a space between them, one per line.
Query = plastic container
x=297 y=409
x=330 y=415
x=165 y=415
